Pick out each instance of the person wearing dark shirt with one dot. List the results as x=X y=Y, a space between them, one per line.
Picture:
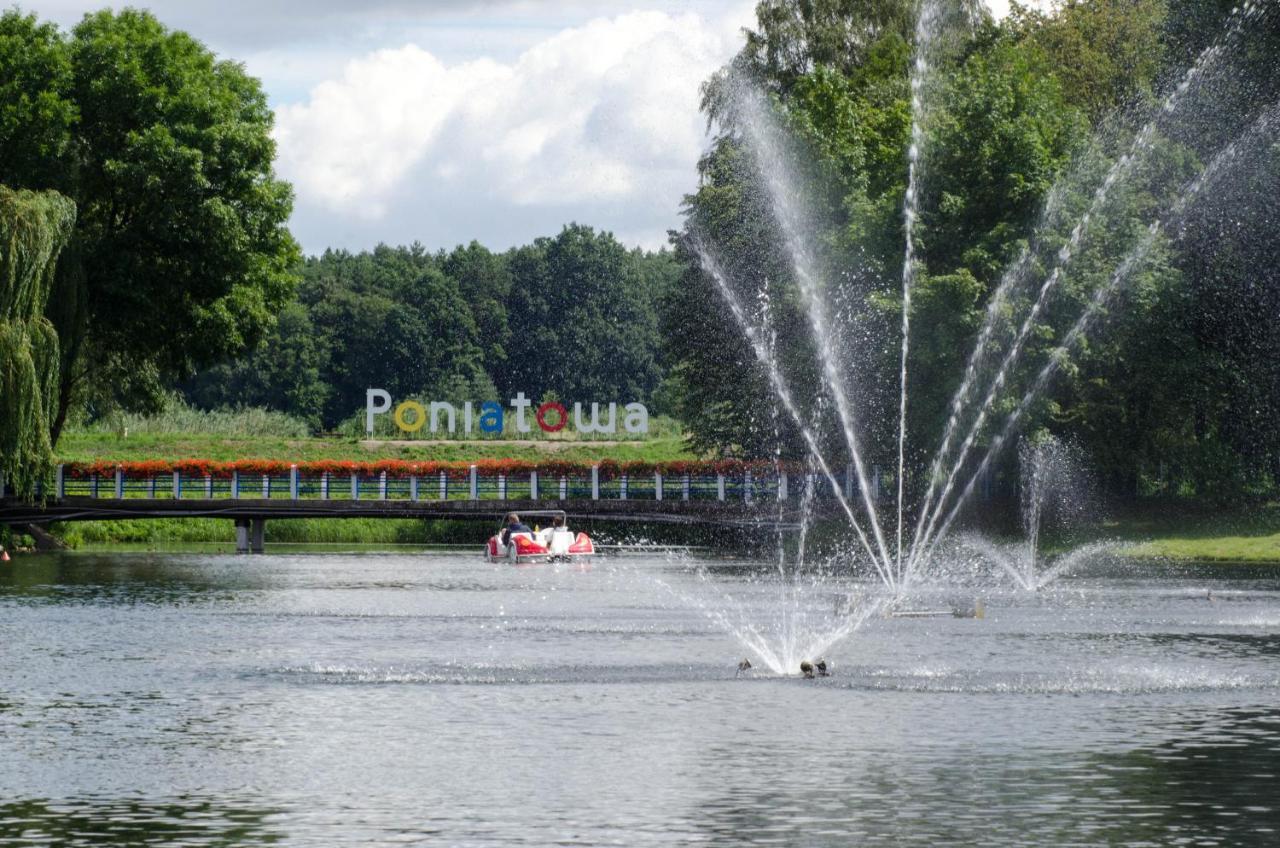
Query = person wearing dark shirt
x=514 y=525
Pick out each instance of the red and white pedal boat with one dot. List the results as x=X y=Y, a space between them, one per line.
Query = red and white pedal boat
x=547 y=545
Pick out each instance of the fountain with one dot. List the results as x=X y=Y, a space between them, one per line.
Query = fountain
x=1053 y=490
x=989 y=404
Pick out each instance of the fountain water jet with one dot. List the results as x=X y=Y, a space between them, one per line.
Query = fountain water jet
x=1142 y=143
x=713 y=269
x=946 y=493
x=1263 y=127
x=769 y=150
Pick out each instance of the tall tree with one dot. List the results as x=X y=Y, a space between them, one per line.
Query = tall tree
x=391 y=319
x=180 y=255
x=485 y=284
x=583 y=324
x=33 y=229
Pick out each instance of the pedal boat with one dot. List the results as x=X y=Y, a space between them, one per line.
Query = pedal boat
x=551 y=544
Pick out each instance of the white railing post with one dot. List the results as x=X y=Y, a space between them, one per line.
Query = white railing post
x=93 y=485
x=59 y=479
x=684 y=488
x=502 y=487
x=564 y=488
x=782 y=486
x=177 y=484
x=119 y=483
x=208 y=486
x=622 y=488
x=324 y=485
x=266 y=485
x=293 y=482
x=533 y=485
x=475 y=484
x=746 y=486
x=413 y=487
x=382 y=486
x=355 y=486
x=657 y=485
x=235 y=485
x=444 y=486
x=595 y=482
x=719 y=487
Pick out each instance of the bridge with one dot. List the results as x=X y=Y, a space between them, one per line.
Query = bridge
x=713 y=494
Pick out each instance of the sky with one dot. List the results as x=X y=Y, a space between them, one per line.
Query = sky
x=447 y=121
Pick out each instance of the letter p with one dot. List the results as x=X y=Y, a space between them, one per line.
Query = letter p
x=376 y=402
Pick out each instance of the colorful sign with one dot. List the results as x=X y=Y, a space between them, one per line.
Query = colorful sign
x=490 y=416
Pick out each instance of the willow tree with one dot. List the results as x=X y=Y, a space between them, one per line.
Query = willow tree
x=34 y=227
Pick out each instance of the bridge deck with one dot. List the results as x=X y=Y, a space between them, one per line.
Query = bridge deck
x=710 y=497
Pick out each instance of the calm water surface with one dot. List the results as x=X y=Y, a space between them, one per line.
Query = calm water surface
x=399 y=699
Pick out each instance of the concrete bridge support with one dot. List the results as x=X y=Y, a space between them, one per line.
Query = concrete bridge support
x=250 y=535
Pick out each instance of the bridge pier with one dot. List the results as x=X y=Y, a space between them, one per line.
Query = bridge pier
x=250 y=535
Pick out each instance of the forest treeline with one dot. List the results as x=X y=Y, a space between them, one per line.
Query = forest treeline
x=179 y=272
x=574 y=316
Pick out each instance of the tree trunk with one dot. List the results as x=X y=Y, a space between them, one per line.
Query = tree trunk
x=69 y=312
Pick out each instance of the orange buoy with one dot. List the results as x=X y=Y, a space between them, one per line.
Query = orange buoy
x=4 y=555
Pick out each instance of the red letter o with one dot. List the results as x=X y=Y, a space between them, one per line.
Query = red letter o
x=541 y=416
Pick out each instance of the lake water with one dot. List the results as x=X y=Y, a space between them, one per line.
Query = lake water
x=391 y=699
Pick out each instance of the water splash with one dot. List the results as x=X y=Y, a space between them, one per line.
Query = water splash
x=769 y=148
x=1263 y=128
x=1124 y=167
x=779 y=646
x=711 y=265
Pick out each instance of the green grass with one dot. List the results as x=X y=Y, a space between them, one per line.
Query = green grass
x=317 y=531
x=179 y=418
x=181 y=432
x=1179 y=531
x=85 y=446
x=1220 y=549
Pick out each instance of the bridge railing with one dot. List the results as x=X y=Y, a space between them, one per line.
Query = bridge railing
x=724 y=482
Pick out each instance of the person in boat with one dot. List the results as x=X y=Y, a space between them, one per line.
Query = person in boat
x=514 y=525
x=557 y=526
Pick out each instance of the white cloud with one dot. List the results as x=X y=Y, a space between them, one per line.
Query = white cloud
x=597 y=123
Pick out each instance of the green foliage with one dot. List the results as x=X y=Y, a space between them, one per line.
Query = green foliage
x=33 y=229
x=180 y=255
x=995 y=151
x=575 y=314
x=243 y=435
x=583 y=318
x=177 y=417
x=285 y=372
x=390 y=319
x=484 y=281
x=1106 y=53
x=36 y=113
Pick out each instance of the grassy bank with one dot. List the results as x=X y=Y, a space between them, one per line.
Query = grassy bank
x=1176 y=531
x=318 y=531
x=1251 y=536
x=89 y=446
